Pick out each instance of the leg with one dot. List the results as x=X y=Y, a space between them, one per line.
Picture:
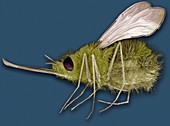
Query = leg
x=120 y=103
x=94 y=85
x=96 y=70
x=95 y=73
x=112 y=62
x=78 y=85
x=84 y=100
x=76 y=97
x=87 y=69
x=124 y=81
x=89 y=80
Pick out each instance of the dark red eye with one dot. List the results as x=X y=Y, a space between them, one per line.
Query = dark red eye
x=68 y=64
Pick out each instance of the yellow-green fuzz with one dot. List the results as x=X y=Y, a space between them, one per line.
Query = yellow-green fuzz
x=141 y=66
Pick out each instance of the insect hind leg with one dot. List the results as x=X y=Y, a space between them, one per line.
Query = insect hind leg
x=117 y=103
x=112 y=62
x=124 y=81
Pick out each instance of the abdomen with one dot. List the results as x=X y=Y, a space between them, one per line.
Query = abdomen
x=141 y=67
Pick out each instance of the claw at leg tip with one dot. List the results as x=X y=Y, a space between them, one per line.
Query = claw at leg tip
x=61 y=111
x=72 y=109
x=100 y=111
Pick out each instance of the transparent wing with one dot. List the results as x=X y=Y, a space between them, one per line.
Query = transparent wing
x=138 y=20
x=124 y=17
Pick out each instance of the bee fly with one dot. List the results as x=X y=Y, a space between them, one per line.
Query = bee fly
x=113 y=63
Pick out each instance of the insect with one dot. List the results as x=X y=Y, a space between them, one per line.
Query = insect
x=116 y=62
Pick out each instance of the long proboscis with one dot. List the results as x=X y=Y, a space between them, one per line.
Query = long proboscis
x=33 y=69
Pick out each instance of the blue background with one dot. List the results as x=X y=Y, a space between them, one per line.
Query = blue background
x=31 y=28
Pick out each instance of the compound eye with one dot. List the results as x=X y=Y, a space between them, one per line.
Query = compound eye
x=68 y=64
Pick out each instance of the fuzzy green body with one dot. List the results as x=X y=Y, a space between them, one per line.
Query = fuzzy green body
x=141 y=66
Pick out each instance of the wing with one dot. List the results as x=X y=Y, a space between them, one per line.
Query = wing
x=125 y=16
x=138 y=20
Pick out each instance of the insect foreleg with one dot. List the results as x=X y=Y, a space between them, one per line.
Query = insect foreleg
x=82 y=92
x=124 y=81
x=96 y=73
x=89 y=80
x=84 y=100
x=78 y=85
